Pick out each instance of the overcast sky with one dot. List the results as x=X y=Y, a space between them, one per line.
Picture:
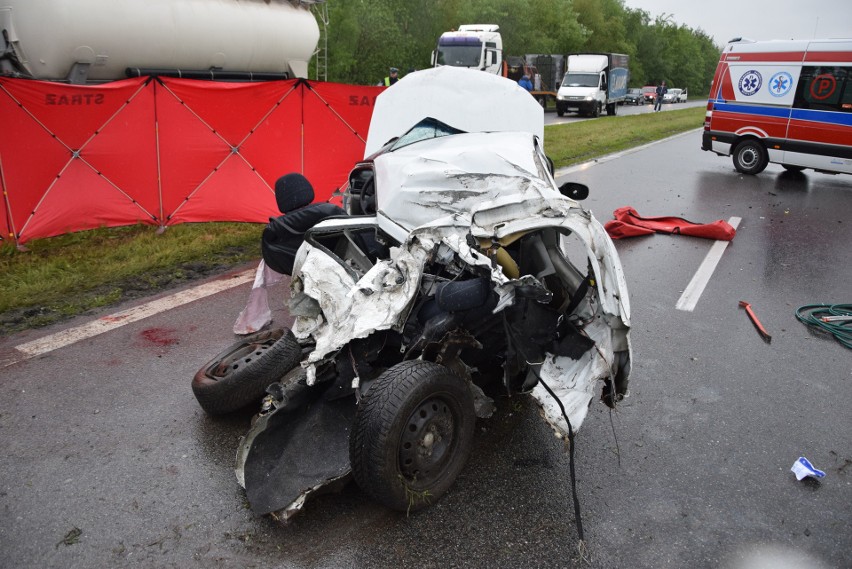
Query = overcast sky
x=757 y=19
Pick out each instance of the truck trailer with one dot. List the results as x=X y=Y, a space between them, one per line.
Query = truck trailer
x=95 y=41
x=593 y=82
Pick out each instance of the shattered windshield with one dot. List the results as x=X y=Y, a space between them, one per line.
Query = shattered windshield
x=580 y=80
x=424 y=130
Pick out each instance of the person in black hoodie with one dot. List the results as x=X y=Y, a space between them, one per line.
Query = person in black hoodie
x=284 y=234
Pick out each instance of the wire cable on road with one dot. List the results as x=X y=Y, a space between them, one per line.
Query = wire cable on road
x=510 y=336
x=836 y=319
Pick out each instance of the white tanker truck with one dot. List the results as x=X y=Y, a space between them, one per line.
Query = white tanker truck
x=91 y=41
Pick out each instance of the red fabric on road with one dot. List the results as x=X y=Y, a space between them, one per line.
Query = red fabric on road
x=628 y=223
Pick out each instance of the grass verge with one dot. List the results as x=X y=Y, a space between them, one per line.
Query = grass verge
x=64 y=276
x=572 y=143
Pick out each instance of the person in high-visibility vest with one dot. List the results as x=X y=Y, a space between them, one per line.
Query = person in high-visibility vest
x=392 y=78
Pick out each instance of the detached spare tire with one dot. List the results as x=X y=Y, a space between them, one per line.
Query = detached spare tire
x=239 y=375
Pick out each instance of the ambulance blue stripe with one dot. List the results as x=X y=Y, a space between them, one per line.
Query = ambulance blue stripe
x=844 y=119
x=826 y=117
x=739 y=108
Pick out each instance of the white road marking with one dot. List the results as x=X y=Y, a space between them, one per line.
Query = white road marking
x=693 y=290
x=70 y=336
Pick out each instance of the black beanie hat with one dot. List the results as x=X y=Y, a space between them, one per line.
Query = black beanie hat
x=293 y=191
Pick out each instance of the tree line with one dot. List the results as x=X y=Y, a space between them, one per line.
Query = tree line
x=366 y=38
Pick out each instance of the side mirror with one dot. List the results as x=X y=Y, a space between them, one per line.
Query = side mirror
x=574 y=191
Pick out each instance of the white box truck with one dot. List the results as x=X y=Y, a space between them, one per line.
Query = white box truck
x=592 y=83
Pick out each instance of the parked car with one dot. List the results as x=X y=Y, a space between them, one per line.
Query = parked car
x=683 y=96
x=672 y=95
x=634 y=97
x=650 y=93
x=459 y=266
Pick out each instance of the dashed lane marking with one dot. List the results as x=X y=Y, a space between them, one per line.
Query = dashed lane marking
x=689 y=299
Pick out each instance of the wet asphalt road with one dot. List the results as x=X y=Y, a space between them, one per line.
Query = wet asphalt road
x=105 y=437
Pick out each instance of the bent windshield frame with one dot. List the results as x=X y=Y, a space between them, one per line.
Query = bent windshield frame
x=424 y=130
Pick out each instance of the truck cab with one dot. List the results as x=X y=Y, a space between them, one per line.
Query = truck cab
x=581 y=92
x=593 y=82
x=475 y=46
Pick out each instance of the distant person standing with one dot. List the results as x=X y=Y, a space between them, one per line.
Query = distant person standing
x=392 y=78
x=525 y=83
x=661 y=90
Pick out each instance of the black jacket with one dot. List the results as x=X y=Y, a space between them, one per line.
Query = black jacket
x=284 y=234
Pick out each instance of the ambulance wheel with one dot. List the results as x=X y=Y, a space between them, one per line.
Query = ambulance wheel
x=412 y=435
x=239 y=375
x=750 y=157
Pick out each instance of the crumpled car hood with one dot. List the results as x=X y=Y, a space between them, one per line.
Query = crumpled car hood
x=452 y=175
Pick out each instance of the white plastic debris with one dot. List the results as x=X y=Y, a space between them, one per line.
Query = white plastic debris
x=257 y=315
x=803 y=468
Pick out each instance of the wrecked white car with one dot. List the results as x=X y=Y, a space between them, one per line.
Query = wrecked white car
x=460 y=266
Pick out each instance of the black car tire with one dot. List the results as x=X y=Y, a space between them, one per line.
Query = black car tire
x=412 y=435
x=239 y=375
x=750 y=157
x=792 y=168
x=596 y=111
x=611 y=109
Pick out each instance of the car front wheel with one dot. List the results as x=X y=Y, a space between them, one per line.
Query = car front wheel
x=412 y=435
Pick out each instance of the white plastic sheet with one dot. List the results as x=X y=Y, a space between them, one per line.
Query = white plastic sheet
x=257 y=314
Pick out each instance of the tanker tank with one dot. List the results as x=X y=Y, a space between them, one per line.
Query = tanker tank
x=91 y=41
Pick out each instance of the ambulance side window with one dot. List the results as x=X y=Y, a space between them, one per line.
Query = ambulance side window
x=846 y=97
x=824 y=88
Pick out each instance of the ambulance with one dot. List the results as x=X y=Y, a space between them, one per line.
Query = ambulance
x=786 y=102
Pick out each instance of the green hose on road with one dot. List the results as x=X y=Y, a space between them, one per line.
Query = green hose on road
x=836 y=319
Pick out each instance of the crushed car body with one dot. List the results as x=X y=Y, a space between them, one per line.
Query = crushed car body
x=460 y=266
